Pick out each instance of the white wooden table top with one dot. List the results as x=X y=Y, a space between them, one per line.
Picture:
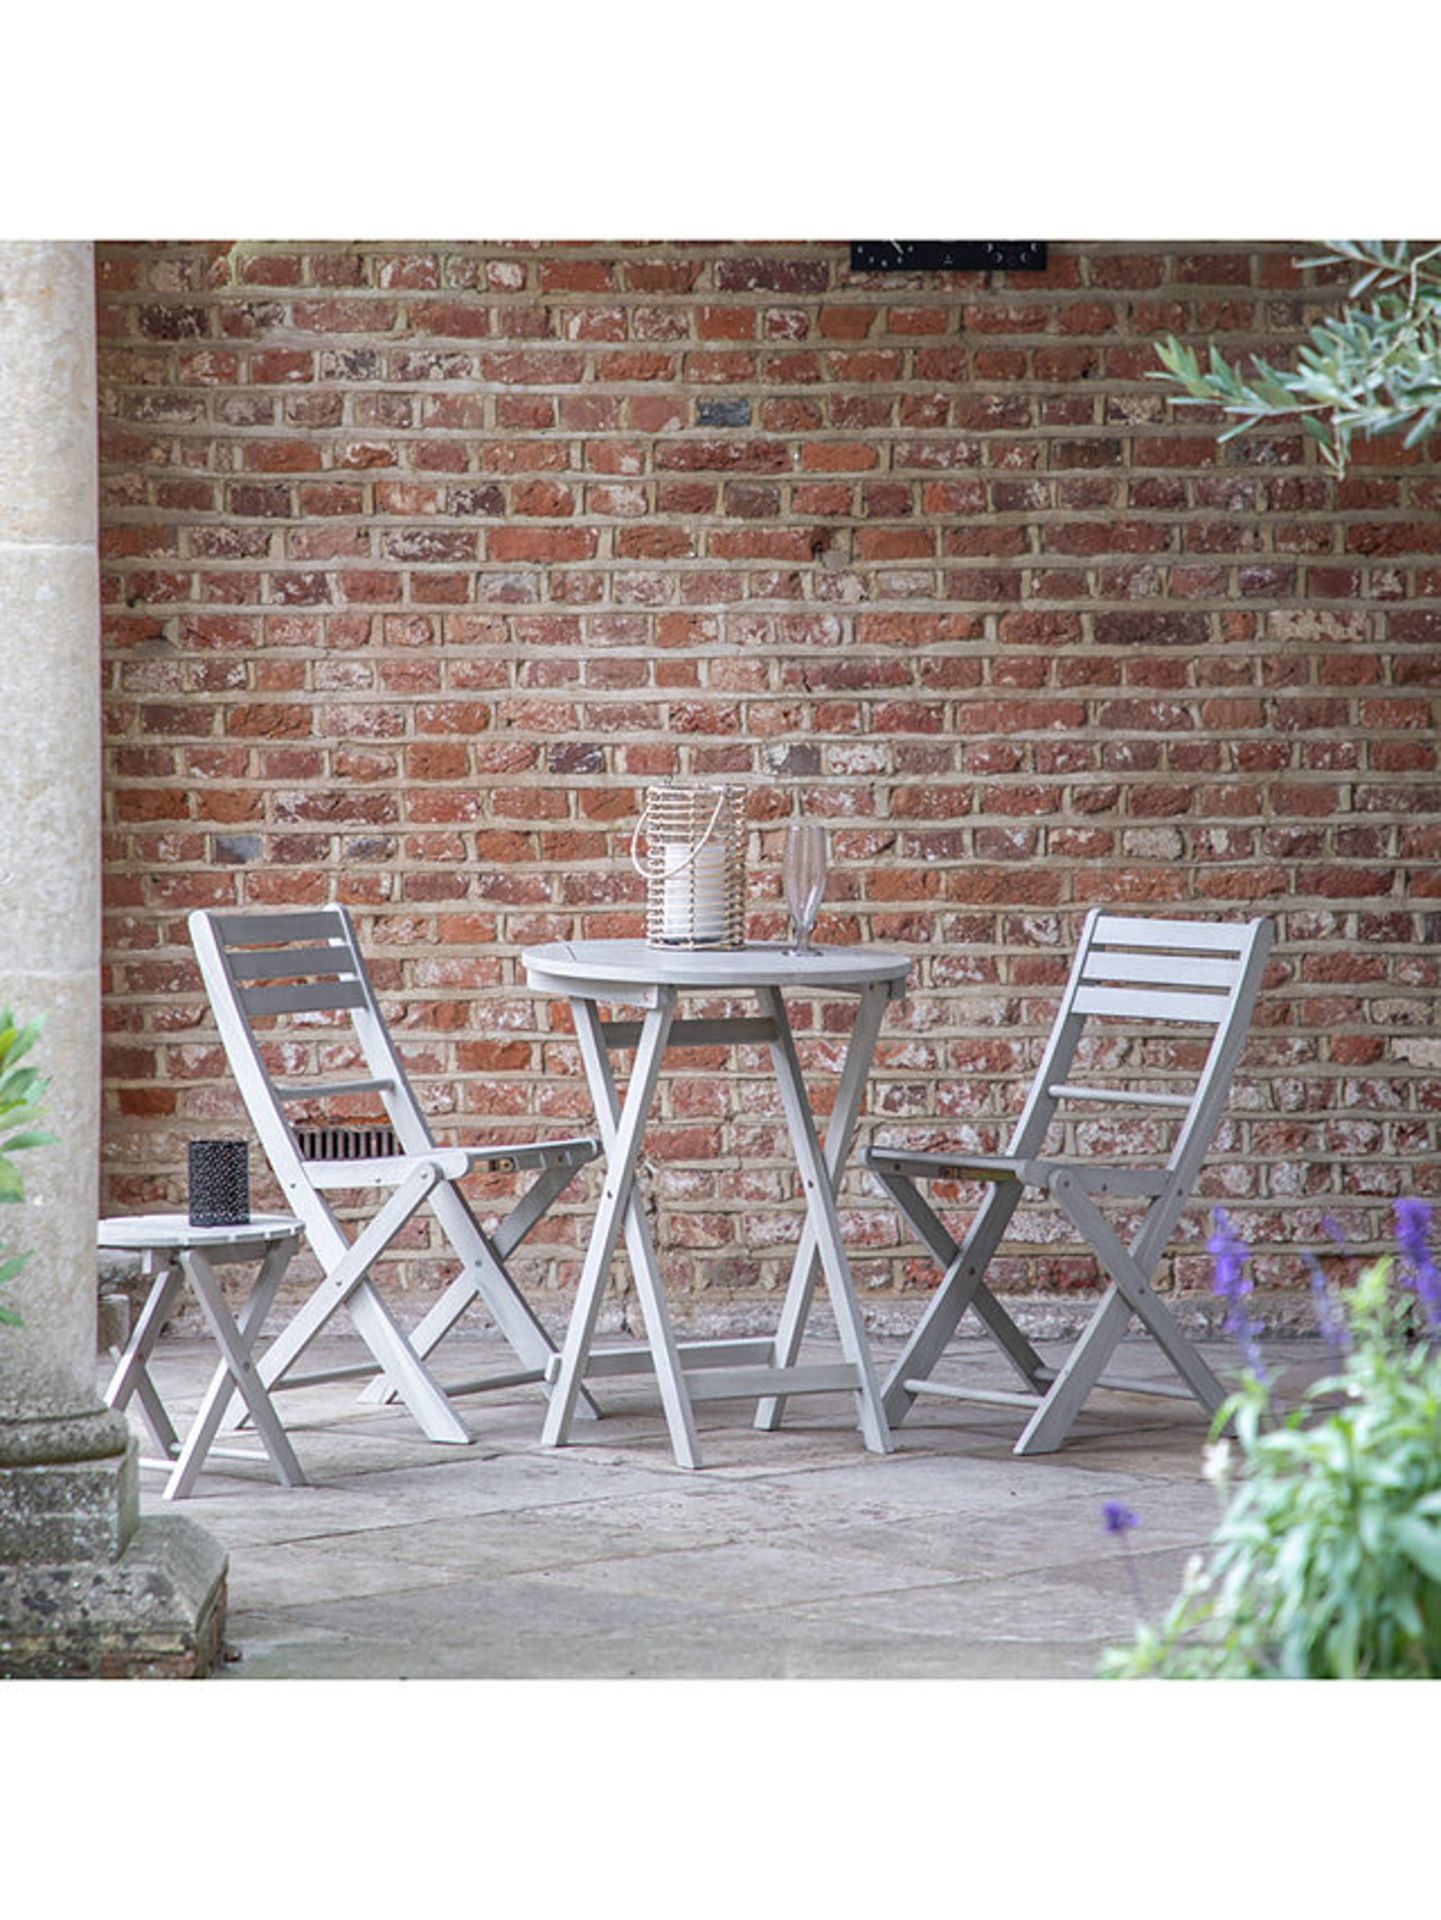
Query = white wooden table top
x=578 y=965
x=142 y=1230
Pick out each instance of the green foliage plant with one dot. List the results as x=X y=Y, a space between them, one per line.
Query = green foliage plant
x=21 y=1088
x=1326 y=1563
x=1375 y=370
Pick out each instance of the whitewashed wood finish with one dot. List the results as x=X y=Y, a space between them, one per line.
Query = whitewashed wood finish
x=1161 y=969
x=587 y=968
x=316 y=952
x=176 y=1253
x=622 y=1128
x=1167 y=958
x=1143 y=1005
x=1178 y=936
x=591 y=973
x=840 y=1135
x=1119 y=1096
x=823 y=1222
x=621 y=1035
x=169 y=1232
x=609 y=1363
x=332 y=1089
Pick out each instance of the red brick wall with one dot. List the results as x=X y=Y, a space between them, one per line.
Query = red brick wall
x=420 y=561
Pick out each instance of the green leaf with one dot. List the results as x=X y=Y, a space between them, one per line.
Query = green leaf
x=35 y=1139
x=11 y=1186
x=1421 y=1544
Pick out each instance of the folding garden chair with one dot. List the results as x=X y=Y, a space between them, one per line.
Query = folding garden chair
x=1137 y=984
x=295 y=971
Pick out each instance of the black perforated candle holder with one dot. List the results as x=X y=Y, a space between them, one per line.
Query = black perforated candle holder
x=219 y=1183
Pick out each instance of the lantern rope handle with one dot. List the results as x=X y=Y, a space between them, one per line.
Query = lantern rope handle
x=695 y=850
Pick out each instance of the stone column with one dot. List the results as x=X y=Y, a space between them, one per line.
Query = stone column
x=86 y=1588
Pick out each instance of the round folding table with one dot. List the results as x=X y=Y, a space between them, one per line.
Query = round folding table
x=592 y=973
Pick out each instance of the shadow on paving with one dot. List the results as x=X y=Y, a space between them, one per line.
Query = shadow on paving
x=790 y=1555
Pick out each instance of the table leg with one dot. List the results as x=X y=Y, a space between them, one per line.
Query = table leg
x=840 y=1133
x=237 y=1371
x=821 y=1207
x=622 y=1129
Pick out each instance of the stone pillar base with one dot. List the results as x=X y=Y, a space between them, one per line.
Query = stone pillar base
x=157 y=1612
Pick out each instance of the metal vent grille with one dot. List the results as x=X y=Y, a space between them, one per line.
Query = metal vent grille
x=346 y=1143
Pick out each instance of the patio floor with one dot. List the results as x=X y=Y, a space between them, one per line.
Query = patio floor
x=792 y=1555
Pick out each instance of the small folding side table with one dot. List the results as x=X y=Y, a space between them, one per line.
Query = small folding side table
x=176 y=1252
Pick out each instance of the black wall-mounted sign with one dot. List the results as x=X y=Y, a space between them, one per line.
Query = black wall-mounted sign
x=948 y=256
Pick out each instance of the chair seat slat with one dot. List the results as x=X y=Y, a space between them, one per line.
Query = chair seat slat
x=389 y=1170
x=946 y=1166
x=1143 y=1004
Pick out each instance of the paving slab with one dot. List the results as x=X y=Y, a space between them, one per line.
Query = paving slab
x=793 y=1554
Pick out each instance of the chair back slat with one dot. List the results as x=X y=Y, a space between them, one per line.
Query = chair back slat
x=289 y=963
x=265 y=929
x=1144 y=1004
x=1195 y=936
x=1161 y=969
x=316 y=996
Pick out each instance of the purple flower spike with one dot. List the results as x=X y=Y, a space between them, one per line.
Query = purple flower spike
x=1118 y=1519
x=1329 y=1316
x=1229 y=1254
x=1413 y=1223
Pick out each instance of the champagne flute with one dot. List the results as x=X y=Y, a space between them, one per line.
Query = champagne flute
x=805 y=879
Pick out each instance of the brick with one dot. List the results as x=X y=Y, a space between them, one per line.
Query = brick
x=838 y=456
x=772 y=275
x=725 y=323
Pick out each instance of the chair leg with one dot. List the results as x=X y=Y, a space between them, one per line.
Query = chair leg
x=348 y=1285
x=483 y=1277
x=425 y=1399
x=960 y=1287
x=1052 y=1421
x=1130 y=1292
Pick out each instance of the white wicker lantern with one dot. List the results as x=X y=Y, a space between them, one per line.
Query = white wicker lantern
x=693 y=866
